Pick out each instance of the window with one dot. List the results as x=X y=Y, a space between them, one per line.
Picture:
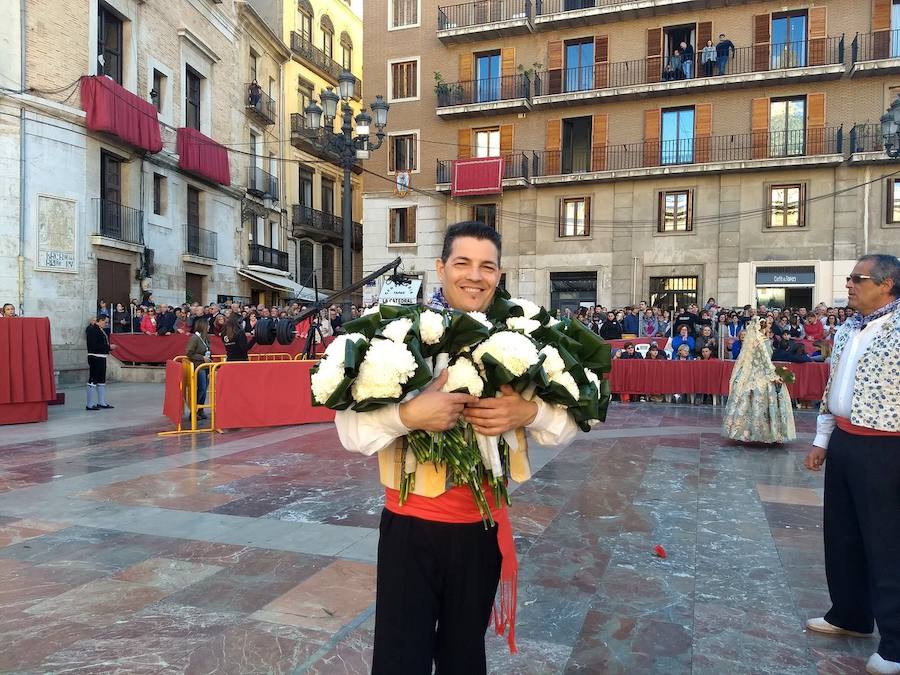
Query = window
x=192 y=98
x=893 y=200
x=789 y=40
x=787 y=127
x=403 y=225
x=159 y=194
x=580 y=65
x=485 y=213
x=254 y=61
x=487 y=143
x=273 y=234
x=304 y=26
x=328 y=267
x=895 y=29
x=402 y=153
x=328 y=42
x=786 y=205
x=305 y=263
x=111 y=195
x=677 y=145
x=487 y=76
x=327 y=195
x=109 y=44
x=347 y=57
x=305 y=191
x=676 y=211
x=404 y=13
x=404 y=80
x=575 y=217
x=672 y=292
x=159 y=90
x=304 y=94
x=257 y=234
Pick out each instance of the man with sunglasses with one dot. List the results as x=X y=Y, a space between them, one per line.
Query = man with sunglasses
x=858 y=433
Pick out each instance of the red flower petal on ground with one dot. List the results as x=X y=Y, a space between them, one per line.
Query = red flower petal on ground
x=659 y=551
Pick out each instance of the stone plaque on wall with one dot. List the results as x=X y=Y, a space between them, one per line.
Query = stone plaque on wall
x=57 y=239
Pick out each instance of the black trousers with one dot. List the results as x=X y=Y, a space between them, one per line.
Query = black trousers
x=435 y=591
x=96 y=370
x=862 y=536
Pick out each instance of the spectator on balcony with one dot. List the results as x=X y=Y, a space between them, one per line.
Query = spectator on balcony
x=102 y=309
x=683 y=353
x=814 y=328
x=9 y=310
x=137 y=317
x=611 y=329
x=684 y=337
x=649 y=324
x=654 y=353
x=121 y=324
x=165 y=320
x=631 y=323
x=674 y=70
x=148 y=322
x=724 y=50
x=255 y=94
x=147 y=299
x=687 y=60
x=738 y=344
x=665 y=323
x=705 y=339
x=704 y=319
x=628 y=352
x=684 y=318
x=708 y=58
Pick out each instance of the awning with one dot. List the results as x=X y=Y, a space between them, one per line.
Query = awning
x=201 y=155
x=478 y=176
x=279 y=283
x=115 y=110
x=400 y=294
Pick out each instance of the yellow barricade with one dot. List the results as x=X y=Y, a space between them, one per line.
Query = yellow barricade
x=273 y=356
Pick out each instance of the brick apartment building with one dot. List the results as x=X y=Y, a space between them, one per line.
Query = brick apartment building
x=628 y=175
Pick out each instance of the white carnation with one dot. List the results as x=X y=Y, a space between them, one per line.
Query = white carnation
x=516 y=352
x=388 y=365
x=528 y=307
x=527 y=326
x=326 y=379
x=553 y=363
x=567 y=381
x=397 y=329
x=462 y=375
x=431 y=327
x=374 y=309
x=481 y=318
x=592 y=377
x=553 y=322
x=337 y=348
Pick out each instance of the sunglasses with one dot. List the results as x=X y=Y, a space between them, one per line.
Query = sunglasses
x=858 y=278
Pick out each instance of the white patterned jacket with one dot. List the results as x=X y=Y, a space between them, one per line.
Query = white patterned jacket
x=876 y=390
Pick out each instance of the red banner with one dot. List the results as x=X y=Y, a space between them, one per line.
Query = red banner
x=113 y=109
x=173 y=401
x=477 y=176
x=201 y=155
x=140 y=348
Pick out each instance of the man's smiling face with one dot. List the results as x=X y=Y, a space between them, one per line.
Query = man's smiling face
x=471 y=274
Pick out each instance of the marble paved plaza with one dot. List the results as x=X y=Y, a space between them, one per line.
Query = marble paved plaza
x=253 y=551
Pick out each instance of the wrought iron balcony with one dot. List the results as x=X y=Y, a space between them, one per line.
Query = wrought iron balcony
x=260 y=105
x=483 y=19
x=877 y=52
x=119 y=222
x=319 y=61
x=769 y=146
x=261 y=183
x=268 y=257
x=201 y=243
x=515 y=167
x=357 y=236
x=317 y=225
x=508 y=92
x=866 y=138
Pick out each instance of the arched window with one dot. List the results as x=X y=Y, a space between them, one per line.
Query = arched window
x=346 y=51
x=327 y=36
x=305 y=15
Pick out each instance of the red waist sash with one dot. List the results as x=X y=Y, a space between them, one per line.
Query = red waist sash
x=846 y=425
x=456 y=505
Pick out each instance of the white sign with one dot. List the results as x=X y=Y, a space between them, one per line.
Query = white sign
x=400 y=294
x=57 y=225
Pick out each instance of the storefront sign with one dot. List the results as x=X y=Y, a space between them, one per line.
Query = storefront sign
x=400 y=293
x=786 y=276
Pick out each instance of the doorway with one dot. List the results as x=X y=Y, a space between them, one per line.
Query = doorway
x=675 y=35
x=576 y=144
x=673 y=292
x=110 y=195
x=113 y=282
x=193 y=285
x=789 y=40
x=785 y=296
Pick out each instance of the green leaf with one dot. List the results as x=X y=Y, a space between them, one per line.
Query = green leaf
x=592 y=351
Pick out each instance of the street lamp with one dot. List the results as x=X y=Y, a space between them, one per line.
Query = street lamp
x=890 y=129
x=346 y=149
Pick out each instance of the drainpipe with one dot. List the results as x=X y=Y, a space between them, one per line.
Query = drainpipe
x=634 y=266
x=22 y=166
x=867 y=188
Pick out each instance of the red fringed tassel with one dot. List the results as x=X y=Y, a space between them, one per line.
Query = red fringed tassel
x=505 y=613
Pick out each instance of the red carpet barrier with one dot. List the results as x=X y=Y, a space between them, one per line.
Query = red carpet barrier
x=140 y=348
x=265 y=394
x=635 y=376
x=808 y=345
x=26 y=380
x=174 y=399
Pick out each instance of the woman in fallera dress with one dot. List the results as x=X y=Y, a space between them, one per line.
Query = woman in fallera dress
x=759 y=405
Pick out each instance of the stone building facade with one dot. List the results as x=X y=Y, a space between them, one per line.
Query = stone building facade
x=624 y=179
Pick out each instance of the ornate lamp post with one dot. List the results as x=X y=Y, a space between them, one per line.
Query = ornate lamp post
x=346 y=149
x=890 y=129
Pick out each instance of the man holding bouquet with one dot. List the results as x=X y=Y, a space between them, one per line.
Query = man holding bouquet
x=439 y=565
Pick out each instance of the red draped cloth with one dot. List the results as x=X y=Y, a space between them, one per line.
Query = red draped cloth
x=27 y=379
x=477 y=176
x=201 y=155
x=140 y=348
x=113 y=109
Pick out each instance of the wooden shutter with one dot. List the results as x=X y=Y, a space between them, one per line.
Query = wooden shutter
x=817 y=35
x=651 y=136
x=554 y=66
x=761 y=38
x=815 y=124
x=552 y=143
x=702 y=132
x=466 y=67
x=508 y=81
x=704 y=33
x=881 y=27
x=506 y=140
x=601 y=61
x=463 y=143
x=410 y=225
x=759 y=128
x=654 y=54
x=587 y=216
x=392 y=160
x=599 y=140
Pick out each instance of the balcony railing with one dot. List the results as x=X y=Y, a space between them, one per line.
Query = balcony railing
x=268 y=257
x=506 y=88
x=745 y=60
x=470 y=14
x=261 y=183
x=328 y=224
x=357 y=236
x=259 y=104
x=883 y=44
x=200 y=242
x=702 y=150
x=515 y=165
x=866 y=138
x=319 y=60
x=298 y=123
x=119 y=222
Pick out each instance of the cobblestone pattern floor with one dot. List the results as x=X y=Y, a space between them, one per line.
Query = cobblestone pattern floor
x=253 y=551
